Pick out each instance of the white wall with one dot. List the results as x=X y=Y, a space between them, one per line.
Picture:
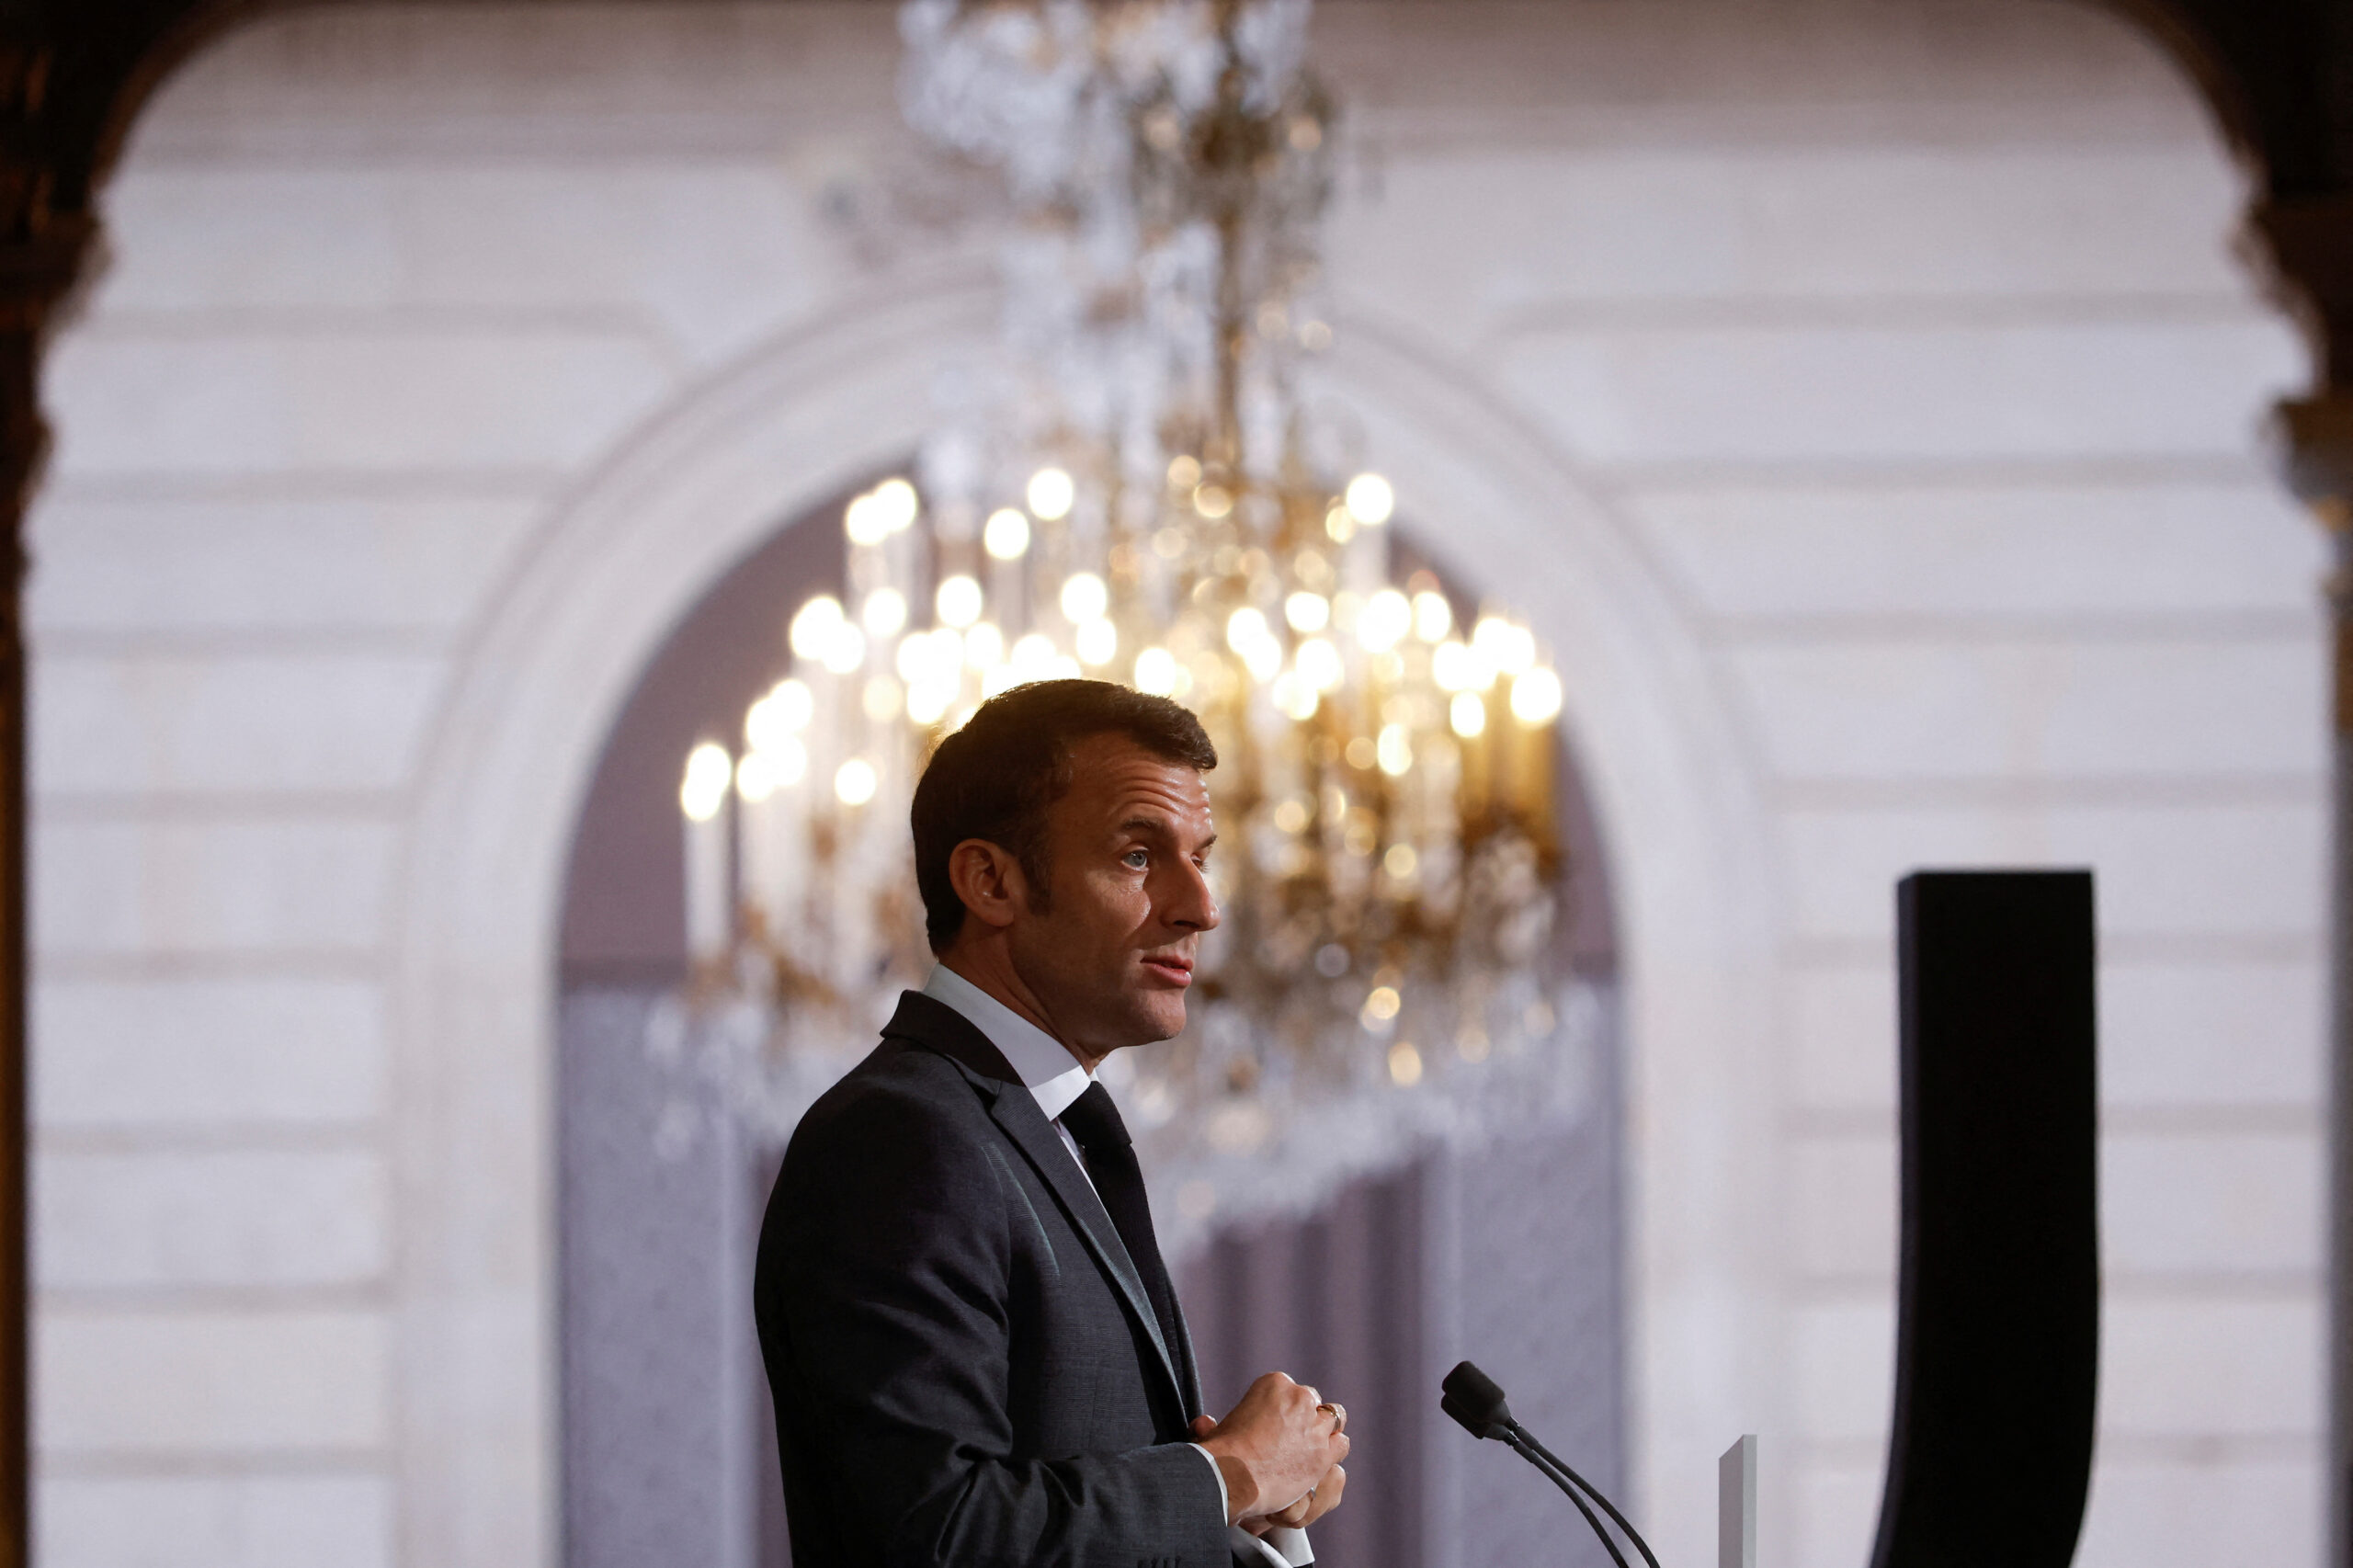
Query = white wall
x=1863 y=397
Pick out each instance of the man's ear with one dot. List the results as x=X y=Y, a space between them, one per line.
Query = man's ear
x=988 y=880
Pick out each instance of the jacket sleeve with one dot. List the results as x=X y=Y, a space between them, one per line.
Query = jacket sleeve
x=884 y=1293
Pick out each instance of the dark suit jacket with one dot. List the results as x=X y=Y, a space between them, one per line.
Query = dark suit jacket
x=966 y=1367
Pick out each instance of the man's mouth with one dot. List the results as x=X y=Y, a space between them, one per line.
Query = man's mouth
x=1170 y=966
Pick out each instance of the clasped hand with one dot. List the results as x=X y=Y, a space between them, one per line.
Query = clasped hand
x=1280 y=1450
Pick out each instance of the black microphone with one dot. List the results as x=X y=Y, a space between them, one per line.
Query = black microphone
x=1473 y=1398
x=1476 y=1401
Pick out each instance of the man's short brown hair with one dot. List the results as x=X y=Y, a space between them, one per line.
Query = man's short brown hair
x=995 y=778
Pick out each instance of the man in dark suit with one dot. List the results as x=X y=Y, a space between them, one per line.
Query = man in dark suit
x=976 y=1354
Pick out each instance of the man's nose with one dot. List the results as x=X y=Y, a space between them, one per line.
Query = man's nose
x=1195 y=906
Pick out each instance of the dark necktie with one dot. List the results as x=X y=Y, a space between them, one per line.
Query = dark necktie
x=1102 y=1137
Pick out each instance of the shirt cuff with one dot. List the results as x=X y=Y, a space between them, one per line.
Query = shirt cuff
x=1279 y=1547
x=1290 y=1545
x=1224 y=1500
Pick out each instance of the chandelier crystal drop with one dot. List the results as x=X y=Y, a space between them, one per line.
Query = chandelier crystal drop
x=1151 y=501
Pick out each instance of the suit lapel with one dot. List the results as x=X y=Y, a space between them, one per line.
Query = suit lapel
x=931 y=1023
x=1190 y=1379
x=1023 y=1122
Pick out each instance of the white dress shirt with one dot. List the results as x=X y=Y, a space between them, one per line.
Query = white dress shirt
x=1055 y=1080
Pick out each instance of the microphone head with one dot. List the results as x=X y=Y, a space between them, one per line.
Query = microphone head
x=1473 y=1399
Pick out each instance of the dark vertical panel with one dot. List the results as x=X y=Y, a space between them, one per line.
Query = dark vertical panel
x=1998 y=1344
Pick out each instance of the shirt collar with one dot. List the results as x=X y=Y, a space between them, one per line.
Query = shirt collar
x=1043 y=1063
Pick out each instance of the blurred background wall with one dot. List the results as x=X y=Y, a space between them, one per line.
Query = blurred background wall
x=1862 y=398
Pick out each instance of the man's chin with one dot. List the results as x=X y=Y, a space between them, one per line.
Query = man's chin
x=1161 y=1017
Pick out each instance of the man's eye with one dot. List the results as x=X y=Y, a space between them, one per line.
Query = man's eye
x=1139 y=858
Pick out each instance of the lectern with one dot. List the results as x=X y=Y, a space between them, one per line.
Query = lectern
x=1997 y=1335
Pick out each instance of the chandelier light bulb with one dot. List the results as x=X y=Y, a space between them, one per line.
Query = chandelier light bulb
x=1050 y=495
x=1369 y=499
x=881 y=698
x=1536 y=697
x=1156 y=672
x=929 y=700
x=894 y=504
x=1467 y=715
x=1453 y=667
x=844 y=648
x=762 y=729
x=1006 y=534
x=1506 y=647
x=1393 y=750
x=704 y=789
x=1084 y=597
x=958 y=601
x=1244 y=629
x=1295 y=696
x=1519 y=649
x=1307 y=612
x=1432 y=616
x=1032 y=656
x=1320 y=665
x=794 y=703
x=1213 y=500
x=754 y=776
x=916 y=657
x=812 y=632
x=1497 y=645
x=1387 y=617
x=866 y=523
x=1380 y=1005
x=1098 y=643
x=855 y=782
x=1184 y=471
x=1404 y=1064
x=789 y=762
x=884 y=613
x=774 y=720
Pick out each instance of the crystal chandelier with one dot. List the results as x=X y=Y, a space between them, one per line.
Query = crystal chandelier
x=1145 y=497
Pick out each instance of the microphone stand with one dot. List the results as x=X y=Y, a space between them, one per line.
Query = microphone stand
x=1545 y=1459
x=1526 y=1448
